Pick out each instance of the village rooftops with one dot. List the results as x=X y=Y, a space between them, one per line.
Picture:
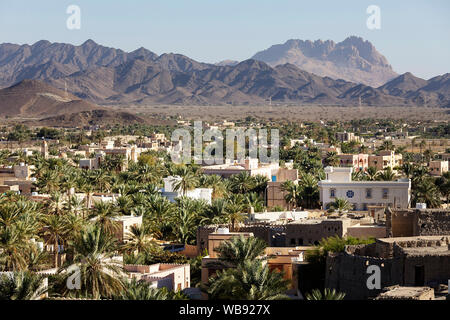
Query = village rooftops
x=407 y=293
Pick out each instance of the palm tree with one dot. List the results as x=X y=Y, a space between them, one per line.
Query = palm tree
x=138 y=240
x=184 y=221
x=331 y=159
x=141 y=290
x=239 y=249
x=22 y=286
x=104 y=214
x=293 y=192
x=234 y=209
x=254 y=200
x=443 y=183
x=188 y=180
x=341 y=205
x=371 y=173
x=259 y=183
x=94 y=257
x=13 y=248
x=56 y=229
x=136 y=290
x=428 y=154
x=310 y=191
x=251 y=280
x=386 y=175
x=55 y=204
x=216 y=213
x=328 y=294
x=407 y=169
x=387 y=145
x=241 y=183
x=425 y=191
x=101 y=180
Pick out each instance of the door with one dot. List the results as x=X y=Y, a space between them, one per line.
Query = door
x=419 y=276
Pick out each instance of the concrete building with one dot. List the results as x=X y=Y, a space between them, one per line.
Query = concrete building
x=125 y=224
x=280 y=259
x=385 y=159
x=250 y=165
x=175 y=277
x=359 y=162
x=438 y=168
x=347 y=137
x=198 y=193
x=339 y=184
x=18 y=178
x=128 y=153
x=275 y=195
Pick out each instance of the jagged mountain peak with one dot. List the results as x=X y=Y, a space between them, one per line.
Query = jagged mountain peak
x=354 y=59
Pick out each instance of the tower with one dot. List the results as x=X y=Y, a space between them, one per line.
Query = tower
x=44 y=149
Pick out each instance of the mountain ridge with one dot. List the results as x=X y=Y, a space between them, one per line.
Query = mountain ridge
x=105 y=76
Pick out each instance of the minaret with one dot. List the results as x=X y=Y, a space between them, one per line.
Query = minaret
x=44 y=149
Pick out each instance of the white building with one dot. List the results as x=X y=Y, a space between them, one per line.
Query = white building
x=361 y=194
x=197 y=194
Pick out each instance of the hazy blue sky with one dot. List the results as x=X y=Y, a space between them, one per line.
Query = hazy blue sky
x=414 y=34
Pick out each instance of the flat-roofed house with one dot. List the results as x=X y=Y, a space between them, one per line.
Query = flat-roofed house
x=437 y=167
x=362 y=194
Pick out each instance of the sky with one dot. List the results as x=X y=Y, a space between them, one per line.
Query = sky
x=414 y=34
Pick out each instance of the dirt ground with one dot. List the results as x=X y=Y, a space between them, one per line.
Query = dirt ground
x=300 y=113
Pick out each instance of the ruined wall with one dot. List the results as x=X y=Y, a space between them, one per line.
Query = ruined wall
x=311 y=233
x=348 y=273
x=417 y=222
x=433 y=222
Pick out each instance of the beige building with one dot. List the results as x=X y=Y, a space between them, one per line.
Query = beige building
x=359 y=162
x=347 y=137
x=125 y=224
x=385 y=159
x=437 y=168
x=281 y=259
x=175 y=277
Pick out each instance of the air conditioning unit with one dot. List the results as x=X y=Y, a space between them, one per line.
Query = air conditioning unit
x=421 y=205
x=223 y=230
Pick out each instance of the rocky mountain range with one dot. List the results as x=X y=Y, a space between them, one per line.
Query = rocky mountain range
x=105 y=76
x=353 y=59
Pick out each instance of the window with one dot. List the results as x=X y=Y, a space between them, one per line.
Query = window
x=350 y=194
x=332 y=193
x=368 y=193
x=385 y=193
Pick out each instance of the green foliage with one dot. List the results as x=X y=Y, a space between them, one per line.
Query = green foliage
x=328 y=294
x=332 y=244
x=22 y=286
x=250 y=280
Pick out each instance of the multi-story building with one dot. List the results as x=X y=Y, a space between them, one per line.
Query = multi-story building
x=385 y=159
x=339 y=184
x=359 y=162
x=437 y=167
x=347 y=137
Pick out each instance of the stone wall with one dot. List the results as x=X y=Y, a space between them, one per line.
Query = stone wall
x=399 y=262
x=417 y=222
